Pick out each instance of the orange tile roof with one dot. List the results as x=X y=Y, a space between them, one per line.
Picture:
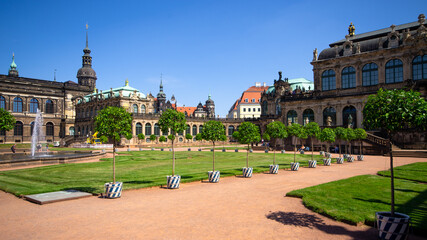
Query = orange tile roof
x=189 y=110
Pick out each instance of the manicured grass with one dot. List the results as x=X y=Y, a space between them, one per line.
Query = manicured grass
x=356 y=199
x=136 y=170
x=415 y=172
x=18 y=145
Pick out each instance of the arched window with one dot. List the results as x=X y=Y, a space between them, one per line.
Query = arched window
x=329 y=116
x=49 y=129
x=419 y=68
x=2 y=102
x=194 y=130
x=138 y=129
x=230 y=130
x=200 y=128
x=156 y=129
x=143 y=108
x=308 y=116
x=18 y=130
x=328 y=80
x=292 y=117
x=32 y=128
x=348 y=77
x=264 y=107
x=17 y=104
x=147 y=129
x=72 y=131
x=49 y=106
x=135 y=108
x=187 y=130
x=34 y=104
x=79 y=130
x=278 y=108
x=394 y=71
x=165 y=133
x=349 y=116
x=370 y=74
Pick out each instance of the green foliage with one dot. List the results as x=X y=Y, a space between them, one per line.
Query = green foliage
x=414 y=172
x=129 y=136
x=360 y=133
x=297 y=130
x=103 y=139
x=248 y=133
x=212 y=131
x=171 y=137
x=141 y=136
x=7 y=121
x=312 y=129
x=340 y=133
x=162 y=139
x=223 y=138
x=350 y=134
x=277 y=130
x=113 y=122
x=188 y=136
x=153 y=137
x=199 y=137
x=327 y=135
x=172 y=119
x=394 y=110
x=266 y=136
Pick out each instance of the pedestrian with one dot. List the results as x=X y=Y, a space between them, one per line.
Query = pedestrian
x=13 y=148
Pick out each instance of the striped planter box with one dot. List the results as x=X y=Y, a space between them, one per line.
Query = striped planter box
x=113 y=190
x=173 y=181
x=350 y=159
x=360 y=158
x=301 y=152
x=213 y=176
x=140 y=149
x=266 y=151
x=294 y=166
x=312 y=163
x=327 y=162
x=340 y=160
x=321 y=152
x=170 y=149
x=250 y=150
x=189 y=149
x=212 y=149
x=274 y=169
x=283 y=151
x=162 y=149
x=152 y=149
x=345 y=156
x=327 y=155
x=392 y=228
x=200 y=149
x=223 y=150
x=247 y=172
x=128 y=149
x=236 y=150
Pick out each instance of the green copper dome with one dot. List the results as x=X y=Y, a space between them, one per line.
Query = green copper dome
x=13 y=64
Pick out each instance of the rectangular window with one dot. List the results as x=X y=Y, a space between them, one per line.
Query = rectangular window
x=244 y=109
x=246 y=100
x=259 y=109
x=253 y=99
x=253 y=109
x=249 y=109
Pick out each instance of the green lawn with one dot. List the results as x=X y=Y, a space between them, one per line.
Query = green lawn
x=136 y=170
x=356 y=199
x=415 y=172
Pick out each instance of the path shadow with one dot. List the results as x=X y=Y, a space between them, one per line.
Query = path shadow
x=313 y=222
x=138 y=182
x=81 y=189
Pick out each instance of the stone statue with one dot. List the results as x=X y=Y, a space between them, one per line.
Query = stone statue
x=351 y=29
x=289 y=121
x=329 y=121
x=358 y=48
x=350 y=121
x=315 y=54
x=306 y=121
x=280 y=75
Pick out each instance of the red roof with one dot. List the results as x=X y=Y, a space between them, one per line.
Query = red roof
x=189 y=110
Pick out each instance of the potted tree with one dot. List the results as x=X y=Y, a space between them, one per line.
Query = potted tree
x=393 y=111
x=312 y=129
x=128 y=137
x=162 y=139
x=295 y=130
x=248 y=133
x=223 y=138
x=113 y=122
x=327 y=135
x=276 y=130
x=267 y=139
x=213 y=131
x=188 y=137
x=141 y=136
x=340 y=134
x=350 y=136
x=360 y=134
x=7 y=121
x=199 y=139
x=175 y=121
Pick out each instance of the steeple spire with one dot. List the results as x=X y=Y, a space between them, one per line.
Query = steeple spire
x=86 y=75
x=13 y=72
x=87 y=44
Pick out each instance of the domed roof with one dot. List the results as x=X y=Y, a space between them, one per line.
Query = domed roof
x=86 y=72
x=161 y=95
x=209 y=100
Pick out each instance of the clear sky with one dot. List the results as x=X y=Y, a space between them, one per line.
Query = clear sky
x=201 y=47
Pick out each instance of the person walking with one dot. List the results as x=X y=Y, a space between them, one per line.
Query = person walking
x=13 y=148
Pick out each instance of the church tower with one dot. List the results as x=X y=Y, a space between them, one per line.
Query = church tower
x=161 y=99
x=210 y=107
x=86 y=75
x=13 y=72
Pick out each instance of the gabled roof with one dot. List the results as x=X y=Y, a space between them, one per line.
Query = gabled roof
x=189 y=110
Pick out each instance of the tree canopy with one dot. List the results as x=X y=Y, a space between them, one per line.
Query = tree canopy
x=360 y=133
x=247 y=133
x=312 y=129
x=7 y=121
x=172 y=119
x=212 y=131
x=340 y=133
x=277 y=130
x=327 y=135
x=113 y=122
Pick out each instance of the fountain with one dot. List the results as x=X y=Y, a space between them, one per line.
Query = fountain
x=38 y=135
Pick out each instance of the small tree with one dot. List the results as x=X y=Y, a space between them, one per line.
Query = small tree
x=175 y=121
x=213 y=131
x=312 y=129
x=295 y=130
x=360 y=135
x=162 y=139
x=266 y=138
x=327 y=135
x=223 y=139
x=113 y=122
x=340 y=134
x=350 y=136
x=103 y=139
x=393 y=111
x=276 y=130
x=7 y=121
x=141 y=136
x=153 y=138
x=248 y=133
x=188 y=137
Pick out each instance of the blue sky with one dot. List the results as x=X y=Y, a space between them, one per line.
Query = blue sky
x=201 y=47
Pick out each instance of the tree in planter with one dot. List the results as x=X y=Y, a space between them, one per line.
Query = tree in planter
x=393 y=111
x=162 y=139
x=295 y=131
x=312 y=129
x=141 y=136
x=7 y=120
x=350 y=136
x=188 y=137
x=223 y=138
x=153 y=138
x=360 y=134
x=175 y=121
x=276 y=130
x=103 y=139
x=340 y=134
x=327 y=135
x=114 y=122
x=213 y=131
x=266 y=138
x=248 y=133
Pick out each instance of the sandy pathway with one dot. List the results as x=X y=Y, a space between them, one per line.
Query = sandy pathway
x=235 y=208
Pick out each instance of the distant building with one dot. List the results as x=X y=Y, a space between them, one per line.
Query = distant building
x=201 y=111
x=248 y=105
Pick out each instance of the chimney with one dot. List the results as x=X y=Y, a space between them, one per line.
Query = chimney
x=265 y=85
x=257 y=84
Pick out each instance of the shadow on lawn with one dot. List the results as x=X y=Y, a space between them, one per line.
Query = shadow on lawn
x=312 y=221
x=138 y=182
x=81 y=189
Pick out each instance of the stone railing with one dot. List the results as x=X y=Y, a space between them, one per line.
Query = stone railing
x=377 y=140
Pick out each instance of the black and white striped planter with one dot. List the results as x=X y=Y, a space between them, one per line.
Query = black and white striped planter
x=247 y=172
x=360 y=158
x=223 y=150
x=327 y=155
x=294 y=166
x=312 y=163
x=200 y=149
x=113 y=190
x=321 y=152
x=392 y=228
x=236 y=150
x=140 y=149
x=327 y=162
x=345 y=156
x=283 y=151
x=173 y=181
x=162 y=149
x=340 y=160
x=128 y=149
x=301 y=152
x=266 y=151
x=189 y=149
x=152 y=149
x=170 y=149
x=213 y=176
x=250 y=150
x=274 y=169
x=350 y=159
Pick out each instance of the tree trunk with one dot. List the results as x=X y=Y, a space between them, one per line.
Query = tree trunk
x=360 y=147
x=213 y=162
x=247 y=156
x=295 y=148
x=173 y=160
x=274 y=155
x=311 y=138
x=339 y=148
x=391 y=176
x=114 y=161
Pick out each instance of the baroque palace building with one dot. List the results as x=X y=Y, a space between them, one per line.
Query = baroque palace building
x=350 y=70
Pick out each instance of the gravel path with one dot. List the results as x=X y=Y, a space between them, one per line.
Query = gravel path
x=234 y=208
